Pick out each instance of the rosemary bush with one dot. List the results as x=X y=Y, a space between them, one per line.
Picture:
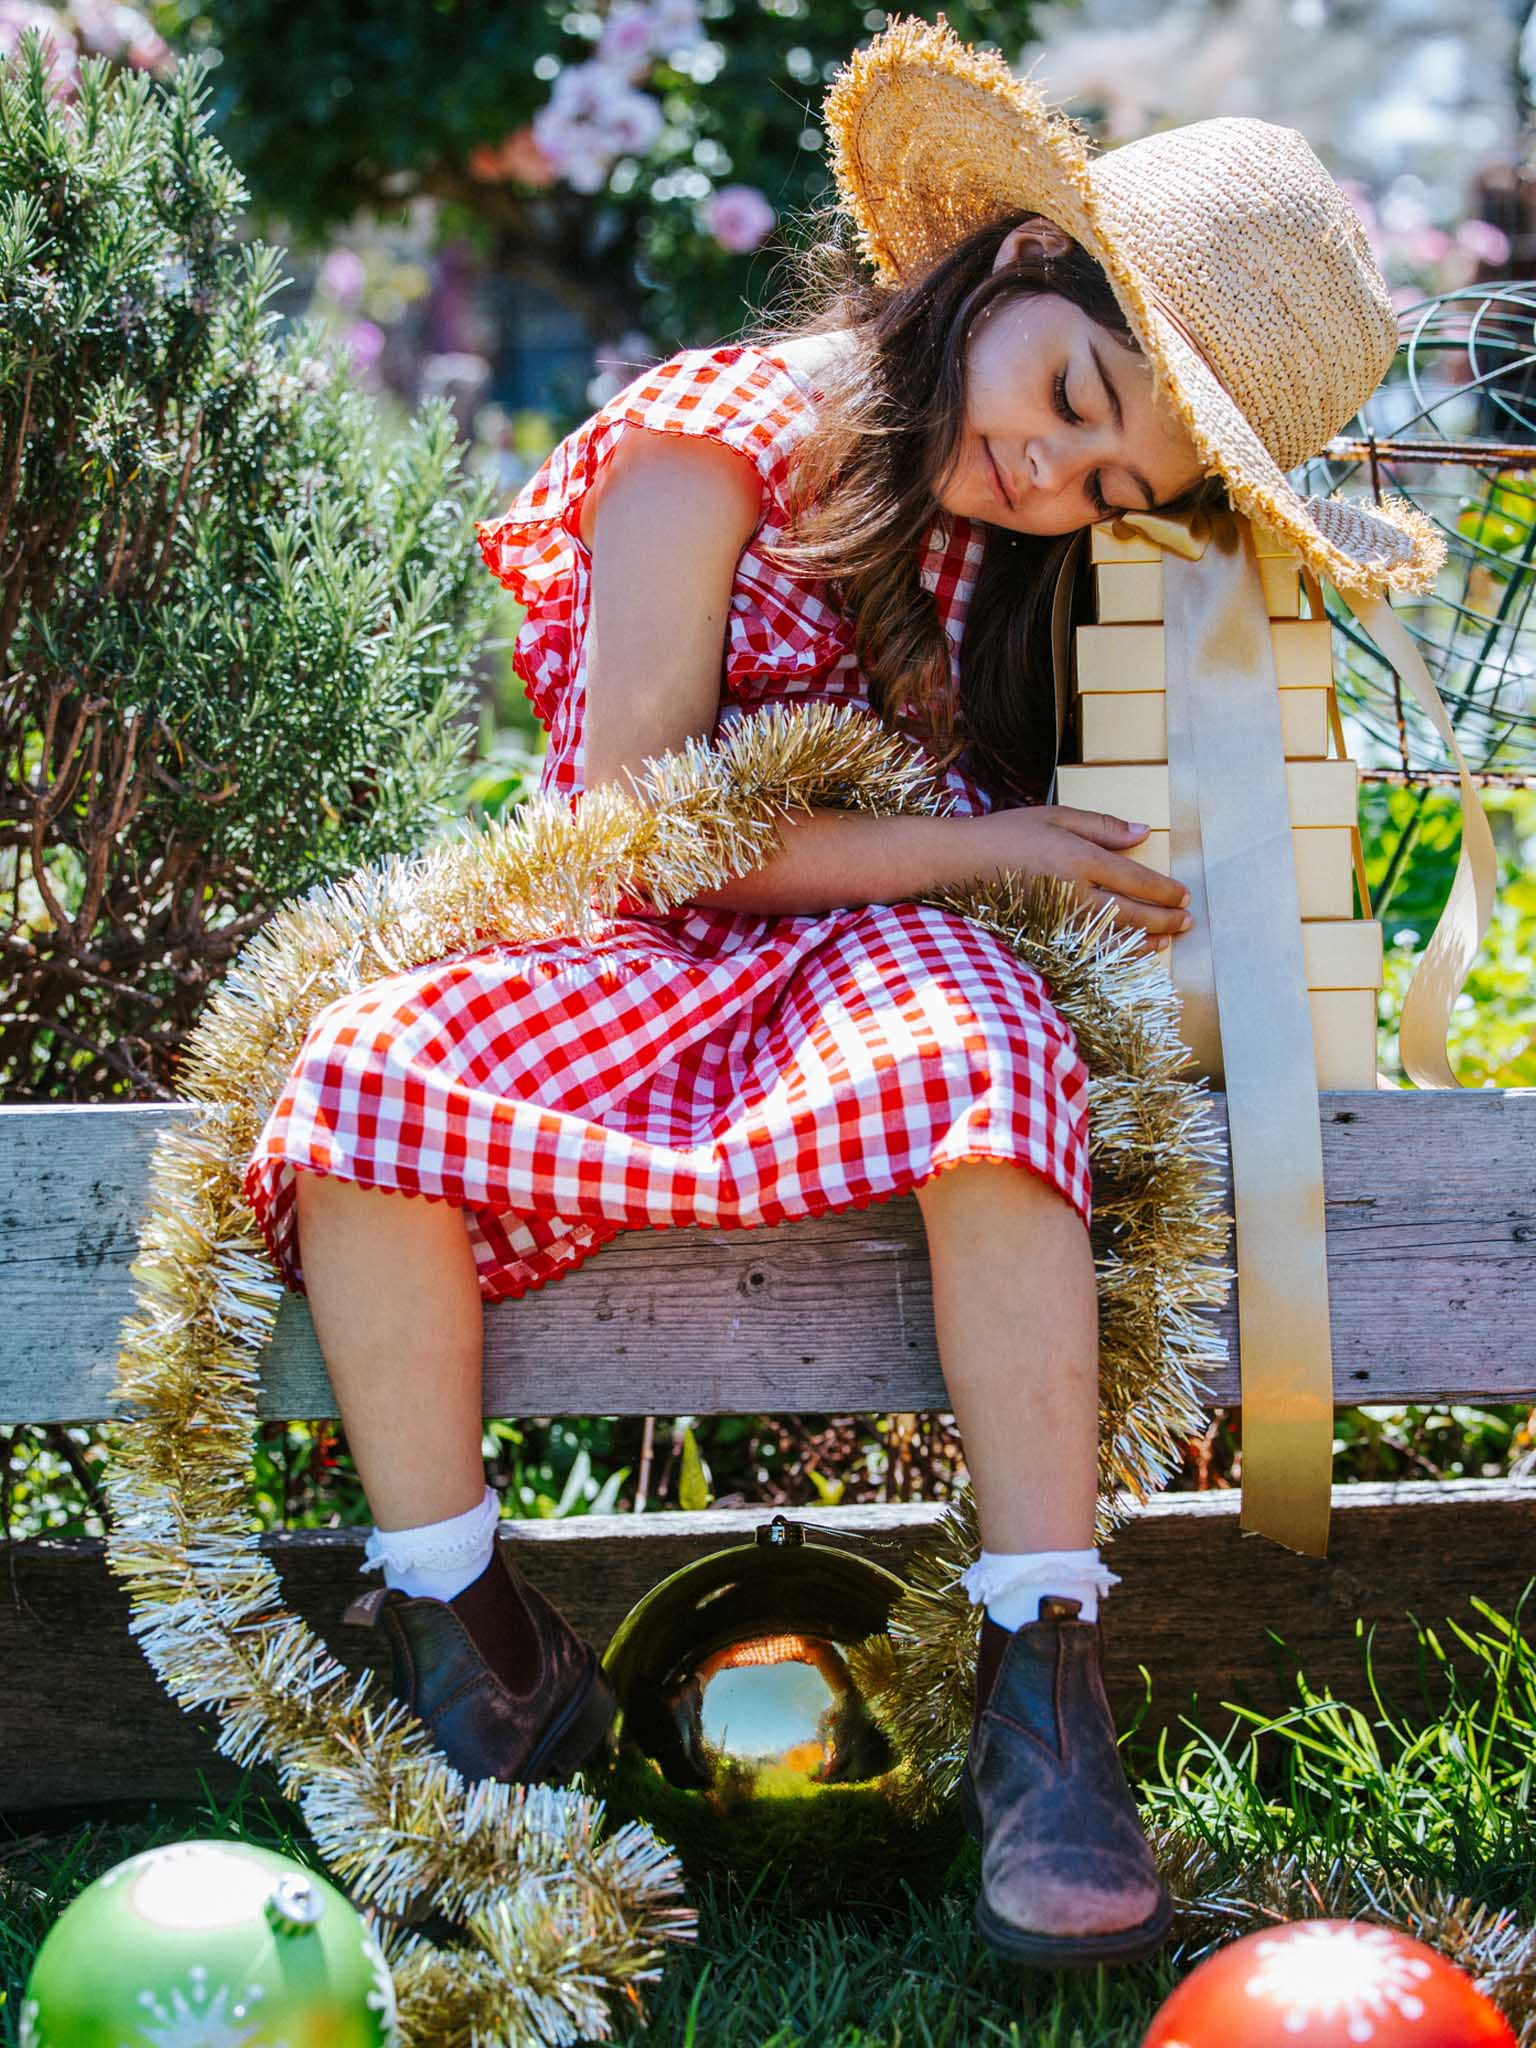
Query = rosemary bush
x=238 y=615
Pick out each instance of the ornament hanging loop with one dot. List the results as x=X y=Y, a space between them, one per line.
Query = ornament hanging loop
x=781 y=1531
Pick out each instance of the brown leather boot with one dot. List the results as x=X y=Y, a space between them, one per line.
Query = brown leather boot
x=504 y=1683
x=1067 y=1875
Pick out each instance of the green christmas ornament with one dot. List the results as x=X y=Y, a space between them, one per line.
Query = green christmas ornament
x=743 y=1735
x=209 y=1945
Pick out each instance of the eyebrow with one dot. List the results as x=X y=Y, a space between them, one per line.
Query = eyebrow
x=1115 y=407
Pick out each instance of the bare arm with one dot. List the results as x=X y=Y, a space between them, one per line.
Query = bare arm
x=665 y=525
x=833 y=858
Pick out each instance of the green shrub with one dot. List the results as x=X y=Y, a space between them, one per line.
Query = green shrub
x=238 y=617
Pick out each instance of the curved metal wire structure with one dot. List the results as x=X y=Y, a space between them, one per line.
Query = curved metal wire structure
x=1453 y=429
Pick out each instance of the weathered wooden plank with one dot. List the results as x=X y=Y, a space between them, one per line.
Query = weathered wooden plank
x=85 y=1720
x=1432 y=1265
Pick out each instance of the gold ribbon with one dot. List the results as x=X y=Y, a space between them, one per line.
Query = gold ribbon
x=1242 y=978
x=1232 y=848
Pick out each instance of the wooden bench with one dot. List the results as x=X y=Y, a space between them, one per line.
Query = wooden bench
x=1432 y=1265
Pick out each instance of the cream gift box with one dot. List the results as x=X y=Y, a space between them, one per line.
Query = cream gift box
x=1322 y=793
x=1130 y=657
x=1107 y=545
x=1121 y=732
x=1132 y=725
x=1342 y=954
x=1343 y=961
x=1324 y=856
x=1121 y=712
x=1133 y=590
x=1133 y=586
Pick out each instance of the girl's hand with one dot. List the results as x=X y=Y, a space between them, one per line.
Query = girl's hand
x=1086 y=848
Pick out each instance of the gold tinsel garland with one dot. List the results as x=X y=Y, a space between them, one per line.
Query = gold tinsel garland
x=559 y=1921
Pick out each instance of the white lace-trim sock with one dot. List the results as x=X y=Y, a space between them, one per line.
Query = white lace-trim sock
x=1013 y=1582
x=440 y=1558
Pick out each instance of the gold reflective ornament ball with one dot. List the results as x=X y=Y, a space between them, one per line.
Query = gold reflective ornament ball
x=742 y=1734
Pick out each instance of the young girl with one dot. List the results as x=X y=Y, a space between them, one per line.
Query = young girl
x=864 y=507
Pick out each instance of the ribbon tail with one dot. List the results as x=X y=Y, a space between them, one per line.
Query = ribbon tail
x=1463 y=924
x=1226 y=754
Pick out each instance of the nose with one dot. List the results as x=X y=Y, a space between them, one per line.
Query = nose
x=1048 y=465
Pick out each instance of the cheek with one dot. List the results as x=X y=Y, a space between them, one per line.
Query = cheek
x=1007 y=384
x=1008 y=413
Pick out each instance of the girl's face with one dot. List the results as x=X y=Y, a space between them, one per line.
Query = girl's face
x=1060 y=424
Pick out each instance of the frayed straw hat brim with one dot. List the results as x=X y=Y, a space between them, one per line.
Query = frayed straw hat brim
x=1360 y=548
x=931 y=139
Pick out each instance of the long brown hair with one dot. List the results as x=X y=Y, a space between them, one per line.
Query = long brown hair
x=864 y=494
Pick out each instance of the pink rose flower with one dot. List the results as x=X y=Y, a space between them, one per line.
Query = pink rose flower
x=739 y=217
x=634 y=124
x=625 y=44
x=593 y=117
x=107 y=28
x=1426 y=246
x=342 y=274
x=1485 y=242
x=60 y=53
x=366 y=341
x=675 y=25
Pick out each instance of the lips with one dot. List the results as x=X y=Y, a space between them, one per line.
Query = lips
x=997 y=474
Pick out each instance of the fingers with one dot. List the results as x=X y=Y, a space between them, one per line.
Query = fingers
x=1102 y=827
x=1132 y=913
x=1134 y=878
x=1111 y=867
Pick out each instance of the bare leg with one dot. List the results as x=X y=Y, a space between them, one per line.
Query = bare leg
x=396 y=1307
x=1016 y=1314
x=506 y=1687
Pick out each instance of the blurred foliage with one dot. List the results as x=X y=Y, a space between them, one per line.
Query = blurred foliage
x=549 y=1467
x=346 y=106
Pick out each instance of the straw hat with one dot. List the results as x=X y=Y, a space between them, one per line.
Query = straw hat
x=1242 y=268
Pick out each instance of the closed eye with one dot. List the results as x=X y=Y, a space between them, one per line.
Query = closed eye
x=1093 y=485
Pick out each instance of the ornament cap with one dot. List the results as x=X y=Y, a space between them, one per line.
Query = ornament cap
x=294 y=1906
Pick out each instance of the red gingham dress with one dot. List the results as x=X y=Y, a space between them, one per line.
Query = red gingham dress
x=697 y=1065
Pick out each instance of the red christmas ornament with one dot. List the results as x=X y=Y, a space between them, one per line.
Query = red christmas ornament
x=1328 y=1984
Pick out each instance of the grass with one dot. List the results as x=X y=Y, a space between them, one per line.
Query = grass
x=1444 y=1802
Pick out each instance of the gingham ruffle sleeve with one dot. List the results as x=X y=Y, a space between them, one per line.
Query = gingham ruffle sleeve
x=736 y=395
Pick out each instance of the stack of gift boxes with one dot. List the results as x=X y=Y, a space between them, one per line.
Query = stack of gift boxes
x=1122 y=766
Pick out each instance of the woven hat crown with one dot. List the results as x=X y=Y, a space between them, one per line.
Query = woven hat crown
x=1242 y=233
